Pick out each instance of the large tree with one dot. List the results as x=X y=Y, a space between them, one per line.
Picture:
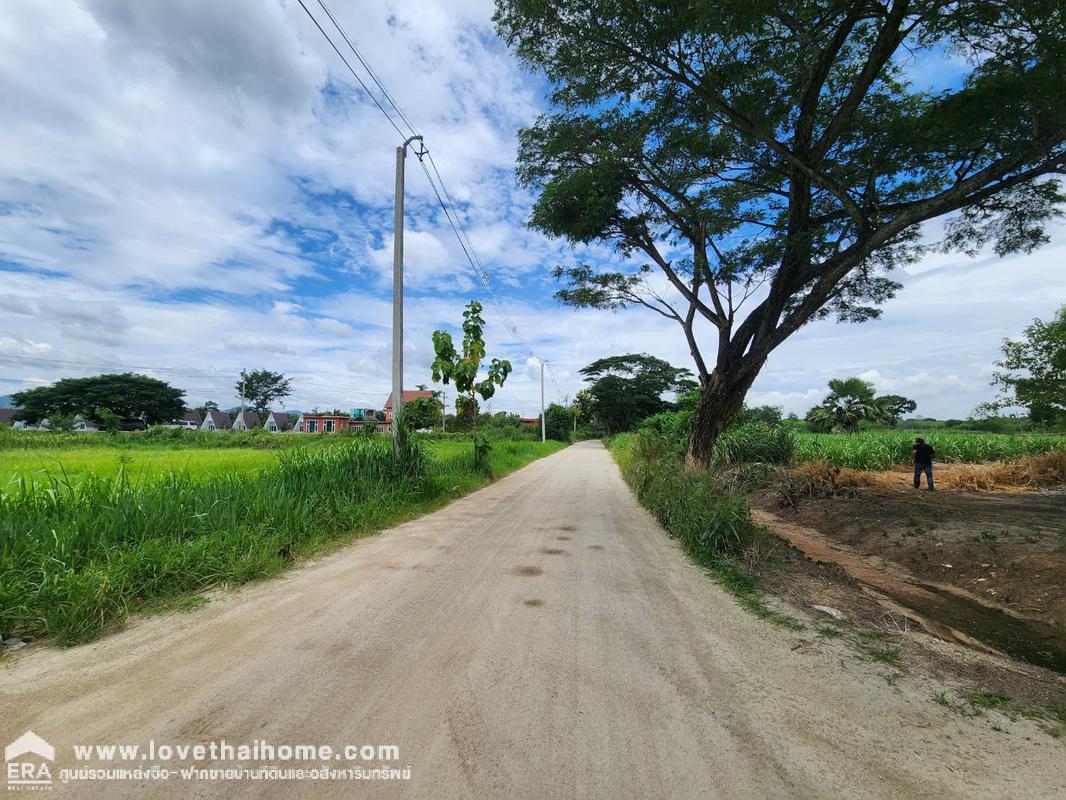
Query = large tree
x=125 y=394
x=1032 y=373
x=262 y=388
x=625 y=389
x=897 y=405
x=774 y=160
x=423 y=413
x=558 y=422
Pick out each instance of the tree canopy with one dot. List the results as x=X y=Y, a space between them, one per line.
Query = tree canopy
x=558 y=422
x=422 y=413
x=262 y=388
x=896 y=405
x=773 y=162
x=125 y=394
x=1032 y=373
x=625 y=389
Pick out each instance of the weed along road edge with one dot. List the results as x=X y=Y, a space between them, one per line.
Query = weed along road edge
x=541 y=637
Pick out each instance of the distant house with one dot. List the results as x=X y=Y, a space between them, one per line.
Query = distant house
x=322 y=423
x=245 y=421
x=7 y=415
x=82 y=424
x=216 y=421
x=276 y=421
x=192 y=419
x=533 y=422
x=408 y=396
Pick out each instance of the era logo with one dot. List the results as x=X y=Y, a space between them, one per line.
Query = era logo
x=25 y=773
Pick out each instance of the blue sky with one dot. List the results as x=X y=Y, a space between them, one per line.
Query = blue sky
x=192 y=188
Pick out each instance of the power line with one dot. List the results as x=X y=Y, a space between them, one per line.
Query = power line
x=447 y=203
x=479 y=267
x=351 y=70
x=368 y=68
x=555 y=383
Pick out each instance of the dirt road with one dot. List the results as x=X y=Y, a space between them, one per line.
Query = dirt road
x=539 y=638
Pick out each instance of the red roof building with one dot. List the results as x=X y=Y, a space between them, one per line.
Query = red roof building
x=408 y=396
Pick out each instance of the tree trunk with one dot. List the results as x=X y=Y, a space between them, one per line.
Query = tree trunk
x=720 y=401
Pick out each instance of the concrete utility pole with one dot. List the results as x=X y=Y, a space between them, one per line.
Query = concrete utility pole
x=543 y=420
x=397 y=288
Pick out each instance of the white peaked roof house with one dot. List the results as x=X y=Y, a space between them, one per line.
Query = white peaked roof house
x=245 y=421
x=276 y=421
x=215 y=421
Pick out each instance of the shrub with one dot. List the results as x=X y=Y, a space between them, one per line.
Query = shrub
x=673 y=426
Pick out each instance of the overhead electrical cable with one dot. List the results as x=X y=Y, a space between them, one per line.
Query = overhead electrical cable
x=439 y=188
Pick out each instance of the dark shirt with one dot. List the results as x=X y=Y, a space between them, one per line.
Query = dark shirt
x=923 y=453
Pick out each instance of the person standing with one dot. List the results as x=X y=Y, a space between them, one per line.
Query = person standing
x=923 y=462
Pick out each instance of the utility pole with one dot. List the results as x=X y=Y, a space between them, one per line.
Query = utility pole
x=543 y=420
x=397 y=288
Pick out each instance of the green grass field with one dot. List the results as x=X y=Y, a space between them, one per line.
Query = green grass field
x=76 y=464
x=149 y=461
x=93 y=533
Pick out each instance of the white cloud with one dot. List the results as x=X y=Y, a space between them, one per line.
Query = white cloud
x=200 y=188
x=334 y=327
x=16 y=345
x=259 y=344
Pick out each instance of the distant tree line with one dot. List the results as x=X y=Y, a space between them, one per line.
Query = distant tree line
x=124 y=394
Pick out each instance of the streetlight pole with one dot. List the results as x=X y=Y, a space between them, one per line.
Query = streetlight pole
x=397 y=287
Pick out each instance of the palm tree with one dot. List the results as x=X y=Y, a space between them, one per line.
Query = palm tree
x=850 y=400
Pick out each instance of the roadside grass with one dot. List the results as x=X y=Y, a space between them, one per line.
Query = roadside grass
x=712 y=525
x=78 y=556
x=707 y=512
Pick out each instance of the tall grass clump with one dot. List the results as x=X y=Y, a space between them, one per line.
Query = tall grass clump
x=746 y=442
x=691 y=505
x=712 y=524
x=77 y=557
x=754 y=442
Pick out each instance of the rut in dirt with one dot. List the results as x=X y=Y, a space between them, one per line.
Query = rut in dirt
x=948 y=612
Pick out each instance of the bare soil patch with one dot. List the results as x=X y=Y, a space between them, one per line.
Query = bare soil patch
x=985 y=570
